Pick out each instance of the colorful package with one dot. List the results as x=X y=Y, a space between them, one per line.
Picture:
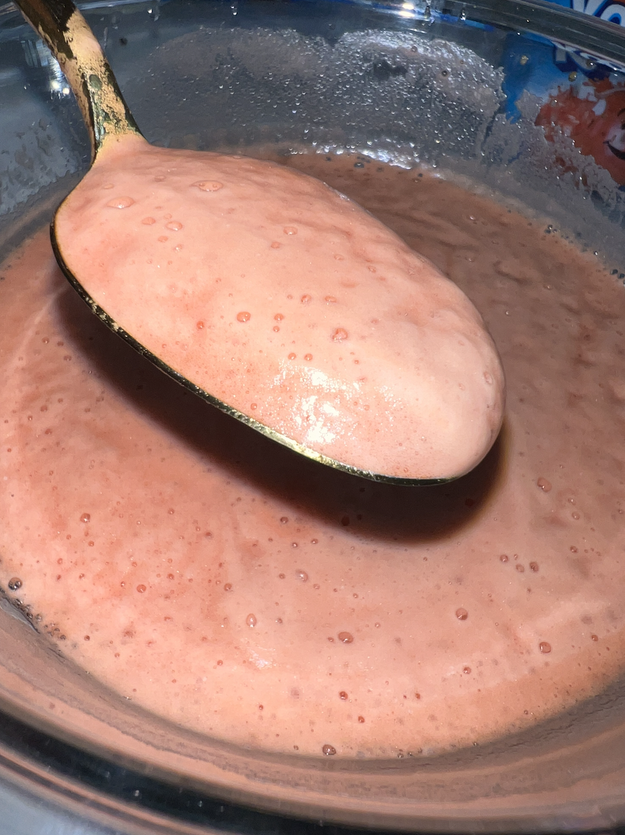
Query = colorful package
x=581 y=99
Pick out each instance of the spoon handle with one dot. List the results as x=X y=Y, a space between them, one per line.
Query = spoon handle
x=84 y=65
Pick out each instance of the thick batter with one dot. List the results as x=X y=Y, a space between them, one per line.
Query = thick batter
x=237 y=589
x=285 y=300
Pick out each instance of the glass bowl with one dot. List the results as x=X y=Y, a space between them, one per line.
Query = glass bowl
x=445 y=85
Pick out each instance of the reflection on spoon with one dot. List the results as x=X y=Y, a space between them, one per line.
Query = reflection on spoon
x=271 y=295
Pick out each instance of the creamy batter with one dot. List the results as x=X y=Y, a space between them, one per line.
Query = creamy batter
x=283 y=299
x=237 y=589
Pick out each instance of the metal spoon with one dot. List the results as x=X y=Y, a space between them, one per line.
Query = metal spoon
x=314 y=412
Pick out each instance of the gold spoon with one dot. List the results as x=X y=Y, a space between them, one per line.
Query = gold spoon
x=251 y=285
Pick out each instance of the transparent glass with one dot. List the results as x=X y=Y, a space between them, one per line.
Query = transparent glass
x=404 y=82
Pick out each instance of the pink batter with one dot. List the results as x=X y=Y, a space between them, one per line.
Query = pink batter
x=237 y=589
x=285 y=300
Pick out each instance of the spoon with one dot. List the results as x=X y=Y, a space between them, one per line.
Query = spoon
x=269 y=294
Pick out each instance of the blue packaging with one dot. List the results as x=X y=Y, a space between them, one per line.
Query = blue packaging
x=579 y=98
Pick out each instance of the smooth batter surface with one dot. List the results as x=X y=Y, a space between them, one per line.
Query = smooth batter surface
x=283 y=299
x=239 y=590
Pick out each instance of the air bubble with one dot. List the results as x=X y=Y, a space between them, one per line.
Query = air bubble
x=251 y=620
x=86 y=517
x=329 y=750
x=120 y=203
x=346 y=637
x=174 y=226
x=462 y=614
x=244 y=316
x=339 y=335
x=15 y=583
x=301 y=575
x=544 y=647
x=209 y=185
x=544 y=485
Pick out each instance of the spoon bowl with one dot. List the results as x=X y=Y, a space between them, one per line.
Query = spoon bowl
x=270 y=295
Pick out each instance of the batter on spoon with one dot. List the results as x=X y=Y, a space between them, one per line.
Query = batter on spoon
x=283 y=299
